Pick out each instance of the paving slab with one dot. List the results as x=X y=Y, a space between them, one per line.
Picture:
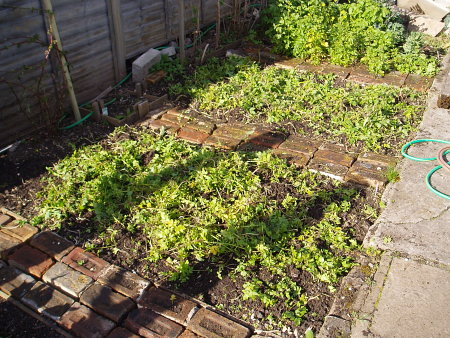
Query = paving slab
x=416 y=221
x=66 y=279
x=414 y=301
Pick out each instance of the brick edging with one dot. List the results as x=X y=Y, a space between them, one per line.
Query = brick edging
x=75 y=291
x=367 y=169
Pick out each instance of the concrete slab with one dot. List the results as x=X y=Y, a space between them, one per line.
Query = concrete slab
x=426 y=25
x=414 y=302
x=416 y=221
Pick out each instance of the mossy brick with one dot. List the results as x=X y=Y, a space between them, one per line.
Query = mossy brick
x=52 y=244
x=167 y=304
x=7 y=245
x=14 y=282
x=342 y=72
x=170 y=127
x=120 y=332
x=418 y=82
x=234 y=131
x=66 y=279
x=202 y=124
x=22 y=232
x=267 y=138
x=30 y=260
x=47 y=300
x=150 y=324
x=175 y=116
x=5 y=219
x=367 y=177
x=300 y=144
x=207 y=323
x=85 y=262
x=382 y=161
x=289 y=64
x=360 y=74
x=298 y=159
x=192 y=135
x=123 y=281
x=307 y=67
x=85 y=323
x=222 y=142
x=334 y=157
x=249 y=146
x=326 y=168
x=106 y=302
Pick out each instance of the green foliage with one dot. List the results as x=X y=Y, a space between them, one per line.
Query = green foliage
x=377 y=116
x=195 y=204
x=345 y=33
x=174 y=68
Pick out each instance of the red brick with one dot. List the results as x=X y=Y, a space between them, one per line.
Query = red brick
x=418 y=82
x=167 y=304
x=105 y=301
x=339 y=71
x=7 y=245
x=85 y=262
x=30 y=260
x=188 y=334
x=382 y=161
x=289 y=64
x=267 y=138
x=234 y=131
x=222 y=142
x=47 y=300
x=176 y=116
x=170 y=127
x=361 y=74
x=299 y=159
x=249 y=146
x=192 y=135
x=85 y=323
x=202 y=124
x=14 y=282
x=155 y=77
x=300 y=144
x=366 y=177
x=123 y=281
x=12 y=214
x=333 y=170
x=328 y=156
x=307 y=67
x=150 y=324
x=4 y=219
x=207 y=323
x=52 y=244
x=22 y=232
x=120 y=332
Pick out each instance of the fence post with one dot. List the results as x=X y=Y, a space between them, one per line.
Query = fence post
x=182 y=33
x=117 y=39
x=55 y=33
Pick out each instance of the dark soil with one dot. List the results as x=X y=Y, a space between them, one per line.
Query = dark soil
x=14 y=323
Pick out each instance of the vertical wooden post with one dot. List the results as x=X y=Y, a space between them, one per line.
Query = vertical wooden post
x=117 y=39
x=182 y=33
x=218 y=25
x=55 y=33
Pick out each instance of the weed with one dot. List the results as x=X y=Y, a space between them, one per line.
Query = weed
x=392 y=174
x=196 y=204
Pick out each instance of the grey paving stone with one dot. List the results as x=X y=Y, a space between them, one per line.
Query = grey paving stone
x=14 y=282
x=414 y=302
x=47 y=300
x=66 y=279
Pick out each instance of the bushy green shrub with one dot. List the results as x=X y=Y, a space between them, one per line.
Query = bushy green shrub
x=364 y=31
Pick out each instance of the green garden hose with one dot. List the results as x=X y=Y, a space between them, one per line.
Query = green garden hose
x=440 y=157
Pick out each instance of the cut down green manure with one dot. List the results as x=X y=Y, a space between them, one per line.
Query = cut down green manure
x=246 y=212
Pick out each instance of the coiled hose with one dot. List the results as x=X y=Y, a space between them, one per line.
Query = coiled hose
x=440 y=158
